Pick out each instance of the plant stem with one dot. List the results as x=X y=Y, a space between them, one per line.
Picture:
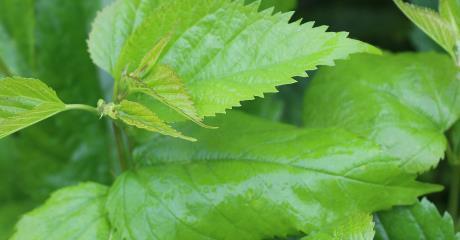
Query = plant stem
x=81 y=107
x=454 y=192
x=454 y=183
x=118 y=134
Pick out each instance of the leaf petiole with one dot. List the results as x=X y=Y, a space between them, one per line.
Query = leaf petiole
x=81 y=107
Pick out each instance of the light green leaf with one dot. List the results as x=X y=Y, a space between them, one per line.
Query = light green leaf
x=439 y=29
x=165 y=85
x=280 y=5
x=137 y=115
x=356 y=227
x=224 y=52
x=71 y=213
x=420 y=221
x=9 y=215
x=275 y=187
x=67 y=148
x=24 y=102
x=403 y=102
x=450 y=11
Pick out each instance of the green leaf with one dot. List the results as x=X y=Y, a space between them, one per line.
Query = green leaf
x=165 y=85
x=137 y=115
x=67 y=148
x=224 y=52
x=403 y=102
x=280 y=5
x=24 y=102
x=439 y=29
x=9 y=215
x=16 y=37
x=356 y=227
x=75 y=212
x=450 y=11
x=212 y=189
x=420 y=221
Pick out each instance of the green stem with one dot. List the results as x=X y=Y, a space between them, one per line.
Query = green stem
x=454 y=191
x=118 y=134
x=81 y=107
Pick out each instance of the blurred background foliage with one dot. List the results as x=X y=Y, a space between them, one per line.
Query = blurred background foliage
x=78 y=148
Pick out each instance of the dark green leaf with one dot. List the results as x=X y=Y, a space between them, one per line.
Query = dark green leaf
x=17 y=37
x=69 y=147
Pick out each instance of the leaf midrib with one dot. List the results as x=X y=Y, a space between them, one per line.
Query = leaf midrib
x=286 y=165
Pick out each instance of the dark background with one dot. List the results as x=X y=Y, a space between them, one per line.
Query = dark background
x=378 y=22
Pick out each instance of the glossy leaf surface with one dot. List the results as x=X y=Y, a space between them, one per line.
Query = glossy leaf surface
x=420 y=221
x=71 y=213
x=403 y=102
x=224 y=52
x=275 y=187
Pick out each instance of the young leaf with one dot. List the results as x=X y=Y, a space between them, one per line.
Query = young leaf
x=223 y=51
x=420 y=221
x=24 y=102
x=167 y=87
x=439 y=29
x=71 y=213
x=137 y=115
x=403 y=102
x=275 y=187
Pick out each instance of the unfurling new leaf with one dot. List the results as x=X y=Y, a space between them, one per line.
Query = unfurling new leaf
x=24 y=102
x=441 y=27
x=135 y=114
x=163 y=84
